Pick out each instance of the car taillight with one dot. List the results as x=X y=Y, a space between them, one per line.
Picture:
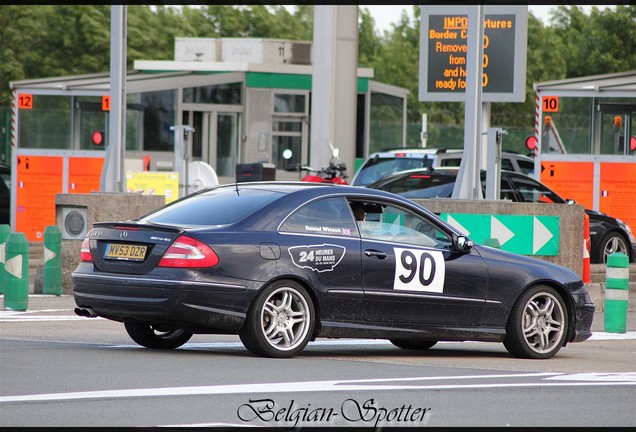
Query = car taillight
x=190 y=253
x=85 y=251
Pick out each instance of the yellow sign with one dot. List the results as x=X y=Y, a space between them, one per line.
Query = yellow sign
x=154 y=183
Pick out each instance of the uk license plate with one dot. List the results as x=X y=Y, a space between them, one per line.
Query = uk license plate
x=125 y=252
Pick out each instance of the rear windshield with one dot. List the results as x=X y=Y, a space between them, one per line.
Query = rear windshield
x=216 y=207
x=376 y=169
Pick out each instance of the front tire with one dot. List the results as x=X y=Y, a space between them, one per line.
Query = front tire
x=537 y=325
x=612 y=242
x=280 y=322
x=150 y=336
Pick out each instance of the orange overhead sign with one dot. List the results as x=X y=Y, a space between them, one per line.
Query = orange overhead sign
x=571 y=180
x=39 y=178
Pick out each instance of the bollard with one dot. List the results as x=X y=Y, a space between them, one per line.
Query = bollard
x=616 y=292
x=16 y=267
x=52 y=275
x=587 y=277
x=5 y=230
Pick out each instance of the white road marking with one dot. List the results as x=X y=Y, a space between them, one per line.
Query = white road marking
x=375 y=384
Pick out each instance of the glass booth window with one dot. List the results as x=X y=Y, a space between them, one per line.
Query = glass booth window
x=282 y=141
x=93 y=123
x=385 y=128
x=160 y=113
x=585 y=125
x=47 y=124
x=290 y=110
x=226 y=94
x=290 y=103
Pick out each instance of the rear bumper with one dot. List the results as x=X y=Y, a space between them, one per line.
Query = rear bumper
x=196 y=306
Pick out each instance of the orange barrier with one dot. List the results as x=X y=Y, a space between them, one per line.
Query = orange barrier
x=586 y=249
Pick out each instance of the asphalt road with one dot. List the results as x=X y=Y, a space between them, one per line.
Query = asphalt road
x=62 y=370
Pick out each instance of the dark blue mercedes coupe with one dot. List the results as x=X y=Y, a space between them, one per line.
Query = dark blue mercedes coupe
x=282 y=264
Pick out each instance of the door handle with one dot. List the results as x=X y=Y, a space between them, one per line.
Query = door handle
x=375 y=253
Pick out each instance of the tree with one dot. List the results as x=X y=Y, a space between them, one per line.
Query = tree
x=48 y=41
x=544 y=62
x=601 y=43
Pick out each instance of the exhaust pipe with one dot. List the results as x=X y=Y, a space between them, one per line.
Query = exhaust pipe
x=85 y=312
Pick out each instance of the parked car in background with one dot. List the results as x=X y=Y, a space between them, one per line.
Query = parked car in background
x=5 y=194
x=391 y=161
x=284 y=263
x=607 y=234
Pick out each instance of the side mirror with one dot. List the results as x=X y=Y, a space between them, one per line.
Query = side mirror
x=462 y=243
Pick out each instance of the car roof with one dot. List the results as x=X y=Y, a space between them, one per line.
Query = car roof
x=316 y=189
x=420 y=152
x=413 y=151
x=444 y=171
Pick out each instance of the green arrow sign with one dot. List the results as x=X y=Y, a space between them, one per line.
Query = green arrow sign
x=522 y=234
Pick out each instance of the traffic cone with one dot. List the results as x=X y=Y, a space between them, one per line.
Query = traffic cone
x=586 y=249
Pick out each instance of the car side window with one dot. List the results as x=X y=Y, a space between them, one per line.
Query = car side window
x=506 y=164
x=531 y=192
x=331 y=216
x=526 y=167
x=391 y=223
x=506 y=192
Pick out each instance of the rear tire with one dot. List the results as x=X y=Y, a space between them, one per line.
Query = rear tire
x=280 y=322
x=537 y=325
x=150 y=336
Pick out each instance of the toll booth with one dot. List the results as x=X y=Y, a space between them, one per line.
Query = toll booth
x=246 y=99
x=585 y=142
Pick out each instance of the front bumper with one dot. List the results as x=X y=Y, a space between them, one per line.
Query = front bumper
x=584 y=315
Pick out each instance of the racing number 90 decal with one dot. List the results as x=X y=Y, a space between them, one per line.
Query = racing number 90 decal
x=419 y=270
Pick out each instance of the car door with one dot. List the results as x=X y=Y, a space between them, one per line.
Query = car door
x=320 y=242
x=411 y=274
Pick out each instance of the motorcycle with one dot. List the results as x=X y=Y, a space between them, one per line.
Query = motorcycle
x=335 y=173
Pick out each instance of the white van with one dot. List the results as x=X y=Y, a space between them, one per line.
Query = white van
x=390 y=161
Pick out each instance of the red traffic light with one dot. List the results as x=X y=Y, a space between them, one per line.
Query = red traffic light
x=98 y=137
